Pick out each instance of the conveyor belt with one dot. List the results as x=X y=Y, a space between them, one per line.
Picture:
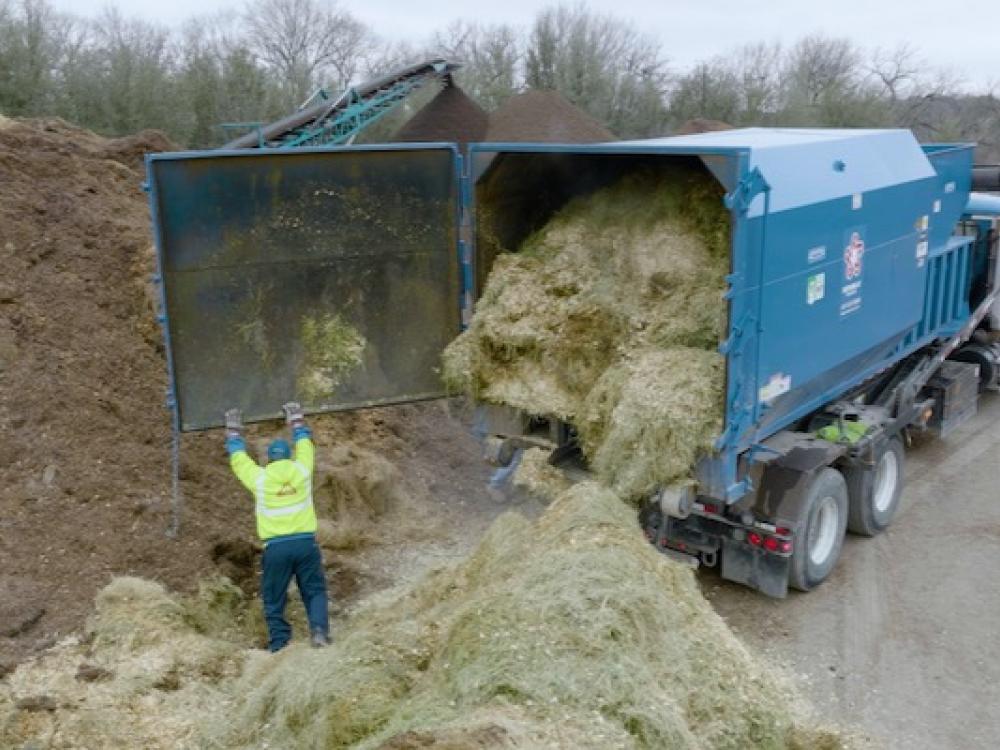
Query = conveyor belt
x=336 y=121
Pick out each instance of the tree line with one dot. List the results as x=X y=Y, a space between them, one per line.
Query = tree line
x=116 y=74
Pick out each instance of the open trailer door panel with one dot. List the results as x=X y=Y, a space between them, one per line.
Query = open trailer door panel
x=326 y=276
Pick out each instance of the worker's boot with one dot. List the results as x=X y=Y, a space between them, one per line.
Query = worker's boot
x=320 y=639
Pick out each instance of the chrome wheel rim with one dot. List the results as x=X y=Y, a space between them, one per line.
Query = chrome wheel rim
x=886 y=476
x=823 y=533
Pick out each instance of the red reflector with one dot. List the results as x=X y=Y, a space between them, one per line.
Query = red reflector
x=710 y=508
x=785 y=546
x=783 y=531
x=754 y=538
x=770 y=544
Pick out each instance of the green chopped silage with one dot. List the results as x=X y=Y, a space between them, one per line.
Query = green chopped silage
x=572 y=631
x=609 y=317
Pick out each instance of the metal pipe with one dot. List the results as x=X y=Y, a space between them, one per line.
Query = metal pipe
x=981 y=204
x=986 y=178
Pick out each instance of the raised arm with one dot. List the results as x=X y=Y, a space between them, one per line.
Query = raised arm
x=305 y=451
x=245 y=468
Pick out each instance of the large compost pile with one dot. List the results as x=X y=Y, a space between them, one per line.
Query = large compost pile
x=571 y=632
x=544 y=116
x=609 y=318
x=84 y=434
x=451 y=116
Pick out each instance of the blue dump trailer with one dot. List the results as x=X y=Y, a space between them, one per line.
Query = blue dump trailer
x=861 y=306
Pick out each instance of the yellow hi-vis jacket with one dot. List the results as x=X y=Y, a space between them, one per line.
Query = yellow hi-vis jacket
x=282 y=489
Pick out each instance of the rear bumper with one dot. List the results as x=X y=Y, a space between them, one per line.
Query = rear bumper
x=715 y=542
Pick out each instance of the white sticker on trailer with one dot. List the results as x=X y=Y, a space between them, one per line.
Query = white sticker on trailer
x=777 y=385
x=815 y=288
x=922 y=249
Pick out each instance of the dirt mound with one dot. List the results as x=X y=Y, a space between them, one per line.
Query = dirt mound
x=699 y=125
x=450 y=117
x=544 y=117
x=356 y=489
x=84 y=434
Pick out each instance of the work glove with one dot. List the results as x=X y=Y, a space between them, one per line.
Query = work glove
x=234 y=423
x=293 y=413
x=295 y=419
x=234 y=432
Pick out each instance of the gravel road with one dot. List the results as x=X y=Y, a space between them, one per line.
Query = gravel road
x=903 y=639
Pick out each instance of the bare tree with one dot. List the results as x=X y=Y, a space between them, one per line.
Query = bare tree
x=820 y=68
x=307 y=43
x=490 y=56
x=897 y=70
x=759 y=70
x=711 y=90
x=602 y=64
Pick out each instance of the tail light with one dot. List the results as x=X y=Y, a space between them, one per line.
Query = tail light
x=769 y=543
x=710 y=508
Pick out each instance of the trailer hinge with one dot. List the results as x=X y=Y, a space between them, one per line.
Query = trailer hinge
x=746 y=190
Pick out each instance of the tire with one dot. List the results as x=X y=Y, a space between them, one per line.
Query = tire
x=874 y=492
x=824 y=522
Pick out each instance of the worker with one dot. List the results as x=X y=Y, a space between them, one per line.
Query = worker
x=286 y=523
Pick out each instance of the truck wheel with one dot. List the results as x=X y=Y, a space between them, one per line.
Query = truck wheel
x=874 y=492
x=821 y=536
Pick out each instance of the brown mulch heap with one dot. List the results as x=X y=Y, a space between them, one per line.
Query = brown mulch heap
x=700 y=125
x=84 y=460
x=450 y=117
x=544 y=117
x=85 y=463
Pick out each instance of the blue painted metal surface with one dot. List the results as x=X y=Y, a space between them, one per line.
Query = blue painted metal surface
x=981 y=204
x=842 y=258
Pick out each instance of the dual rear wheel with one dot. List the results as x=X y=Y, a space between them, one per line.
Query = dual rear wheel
x=862 y=499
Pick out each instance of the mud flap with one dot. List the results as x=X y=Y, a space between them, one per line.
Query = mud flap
x=755 y=568
x=328 y=276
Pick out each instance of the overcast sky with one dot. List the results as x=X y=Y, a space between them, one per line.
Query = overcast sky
x=961 y=35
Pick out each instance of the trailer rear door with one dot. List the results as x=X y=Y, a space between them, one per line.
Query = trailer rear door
x=328 y=276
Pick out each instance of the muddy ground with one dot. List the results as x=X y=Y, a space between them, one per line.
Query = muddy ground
x=902 y=640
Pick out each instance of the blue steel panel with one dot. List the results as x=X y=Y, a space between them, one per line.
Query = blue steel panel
x=805 y=166
x=792 y=345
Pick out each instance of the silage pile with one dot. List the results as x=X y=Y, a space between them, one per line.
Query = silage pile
x=570 y=632
x=609 y=318
x=147 y=670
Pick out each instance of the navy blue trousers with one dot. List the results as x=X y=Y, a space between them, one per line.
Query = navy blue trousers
x=284 y=559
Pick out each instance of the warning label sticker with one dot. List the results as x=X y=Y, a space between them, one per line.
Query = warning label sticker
x=777 y=385
x=854 y=256
x=922 y=249
x=815 y=288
